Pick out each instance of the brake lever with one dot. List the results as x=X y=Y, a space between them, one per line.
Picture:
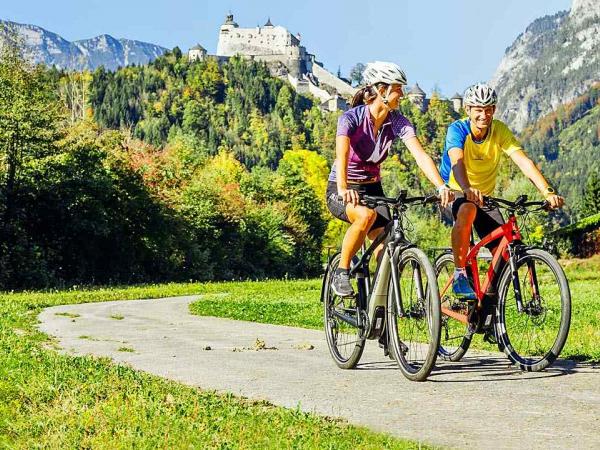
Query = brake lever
x=433 y=198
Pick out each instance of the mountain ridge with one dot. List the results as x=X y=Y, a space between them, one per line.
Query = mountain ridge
x=49 y=48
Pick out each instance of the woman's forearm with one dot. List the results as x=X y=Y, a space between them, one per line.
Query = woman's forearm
x=426 y=164
x=424 y=161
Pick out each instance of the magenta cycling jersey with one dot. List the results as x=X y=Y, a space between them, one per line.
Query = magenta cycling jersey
x=366 y=152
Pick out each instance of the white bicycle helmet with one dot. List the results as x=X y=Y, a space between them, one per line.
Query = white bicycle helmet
x=480 y=94
x=383 y=72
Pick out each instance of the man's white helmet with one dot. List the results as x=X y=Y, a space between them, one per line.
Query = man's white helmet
x=383 y=72
x=480 y=94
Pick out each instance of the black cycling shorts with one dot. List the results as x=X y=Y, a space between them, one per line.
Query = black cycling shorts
x=486 y=220
x=337 y=207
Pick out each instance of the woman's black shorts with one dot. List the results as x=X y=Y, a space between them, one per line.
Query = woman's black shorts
x=337 y=207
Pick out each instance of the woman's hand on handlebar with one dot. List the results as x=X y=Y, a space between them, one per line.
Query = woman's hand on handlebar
x=349 y=196
x=446 y=195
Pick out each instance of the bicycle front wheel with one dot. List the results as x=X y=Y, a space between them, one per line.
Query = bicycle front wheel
x=534 y=336
x=346 y=341
x=414 y=318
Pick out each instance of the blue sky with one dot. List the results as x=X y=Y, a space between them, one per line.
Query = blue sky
x=448 y=44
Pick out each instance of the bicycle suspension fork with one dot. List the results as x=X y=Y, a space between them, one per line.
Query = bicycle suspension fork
x=512 y=259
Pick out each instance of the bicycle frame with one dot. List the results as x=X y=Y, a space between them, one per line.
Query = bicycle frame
x=510 y=233
x=376 y=298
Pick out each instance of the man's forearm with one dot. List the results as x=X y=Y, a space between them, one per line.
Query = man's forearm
x=460 y=175
x=531 y=171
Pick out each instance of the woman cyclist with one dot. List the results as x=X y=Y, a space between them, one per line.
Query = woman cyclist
x=365 y=134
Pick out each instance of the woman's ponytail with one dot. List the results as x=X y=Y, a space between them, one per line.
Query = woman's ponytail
x=364 y=95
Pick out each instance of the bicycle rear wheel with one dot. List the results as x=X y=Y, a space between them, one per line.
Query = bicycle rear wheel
x=414 y=318
x=534 y=337
x=455 y=336
x=345 y=341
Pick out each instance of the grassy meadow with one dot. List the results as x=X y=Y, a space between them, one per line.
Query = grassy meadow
x=296 y=303
x=51 y=400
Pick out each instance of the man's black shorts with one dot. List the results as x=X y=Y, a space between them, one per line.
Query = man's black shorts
x=486 y=220
x=337 y=207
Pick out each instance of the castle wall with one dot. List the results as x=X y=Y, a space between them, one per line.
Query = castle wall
x=328 y=78
x=267 y=44
x=254 y=41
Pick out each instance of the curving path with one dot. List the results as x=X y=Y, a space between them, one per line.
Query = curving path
x=480 y=402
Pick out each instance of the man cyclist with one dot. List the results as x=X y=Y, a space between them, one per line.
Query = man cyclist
x=365 y=134
x=472 y=155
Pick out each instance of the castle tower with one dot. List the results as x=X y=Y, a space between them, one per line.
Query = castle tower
x=457 y=102
x=197 y=52
x=417 y=96
x=225 y=33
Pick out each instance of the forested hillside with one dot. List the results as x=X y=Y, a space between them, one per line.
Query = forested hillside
x=178 y=171
x=565 y=143
x=170 y=171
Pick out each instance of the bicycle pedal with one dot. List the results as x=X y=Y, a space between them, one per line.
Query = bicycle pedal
x=403 y=348
x=490 y=337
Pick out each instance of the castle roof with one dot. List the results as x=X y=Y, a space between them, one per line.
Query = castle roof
x=416 y=90
x=229 y=20
x=456 y=96
x=268 y=24
x=198 y=47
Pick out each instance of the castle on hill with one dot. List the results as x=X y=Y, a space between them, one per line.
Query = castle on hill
x=288 y=59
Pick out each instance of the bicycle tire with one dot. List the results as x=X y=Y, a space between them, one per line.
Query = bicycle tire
x=345 y=352
x=452 y=331
x=415 y=336
x=538 y=310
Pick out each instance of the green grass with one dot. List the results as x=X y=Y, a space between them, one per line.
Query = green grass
x=49 y=400
x=296 y=303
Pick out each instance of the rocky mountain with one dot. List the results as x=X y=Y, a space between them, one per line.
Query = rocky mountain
x=43 y=46
x=556 y=59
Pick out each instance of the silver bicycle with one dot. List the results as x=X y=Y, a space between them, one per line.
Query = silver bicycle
x=399 y=304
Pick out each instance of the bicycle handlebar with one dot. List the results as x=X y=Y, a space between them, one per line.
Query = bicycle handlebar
x=520 y=203
x=373 y=201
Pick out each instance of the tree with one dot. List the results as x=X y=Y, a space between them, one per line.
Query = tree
x=29 y=117
x=356 y=73
x=73 y=90
x=591 y=199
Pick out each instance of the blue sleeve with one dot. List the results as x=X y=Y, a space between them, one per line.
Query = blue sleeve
x=457 y=134
x=455 y=138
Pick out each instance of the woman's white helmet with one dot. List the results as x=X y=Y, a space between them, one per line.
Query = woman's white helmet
x=480 y=94
x=383 y=72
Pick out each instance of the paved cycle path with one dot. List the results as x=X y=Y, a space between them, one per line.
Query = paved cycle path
x=481 y=402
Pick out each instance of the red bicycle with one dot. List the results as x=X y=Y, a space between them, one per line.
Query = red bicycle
x=523 y=304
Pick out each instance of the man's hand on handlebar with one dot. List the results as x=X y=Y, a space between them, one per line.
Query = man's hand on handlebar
x=555 y=201
x=349 y=196
x=474 y=195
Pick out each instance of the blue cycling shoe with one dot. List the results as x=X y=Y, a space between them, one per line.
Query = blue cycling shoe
x=462 y=288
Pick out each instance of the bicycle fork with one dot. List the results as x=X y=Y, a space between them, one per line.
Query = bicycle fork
x=512 y=259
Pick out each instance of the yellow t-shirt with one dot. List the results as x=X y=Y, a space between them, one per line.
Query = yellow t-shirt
x=481 y=159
